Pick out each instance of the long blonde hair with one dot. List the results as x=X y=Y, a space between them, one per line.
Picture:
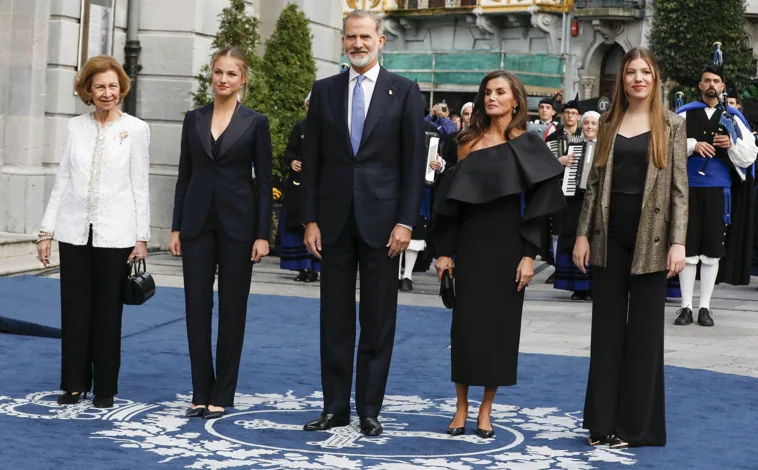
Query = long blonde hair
x=609 y=128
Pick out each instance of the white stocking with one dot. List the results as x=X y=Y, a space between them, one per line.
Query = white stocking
x=687 y=281
x=410 y=261
x=709 y=270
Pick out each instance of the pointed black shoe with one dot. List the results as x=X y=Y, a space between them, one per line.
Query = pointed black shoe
x=327 y=421
x=684 y=318
x=198 y=412
x=484 y=433
x=71 y=399
x=213 y=414
x=102 y=402
x=406 y=285
x=704 y=317
x=371 y=427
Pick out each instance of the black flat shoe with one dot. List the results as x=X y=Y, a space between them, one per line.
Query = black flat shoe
x=311 y=276
x=484 y=433
x=599 y=441
x=704 y=317
x=406 y=285
x=684 y=318
x=300 y=277
x=618 y=443
x=579 y=295
x=71 y=399
x=327 y=421
x=102 y=402
x=370 y=427
x=213 y=414
x=198 y=412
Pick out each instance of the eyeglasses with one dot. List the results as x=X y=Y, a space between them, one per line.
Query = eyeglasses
x=570 y=113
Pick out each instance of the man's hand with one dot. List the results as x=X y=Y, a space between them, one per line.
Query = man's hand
x=581 y=253
x=675 y=261
x=524 y=273
x=444 y=263
x=138 y=253
x=296 y=165
x=567 y=160
x=175 y=245
x=260 y=249
x=399 y=240
x=722 y=141
x=436 y=164
x=313 y=239
x=705 y=149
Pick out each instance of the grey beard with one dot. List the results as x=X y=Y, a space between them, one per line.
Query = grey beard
x=362 y=62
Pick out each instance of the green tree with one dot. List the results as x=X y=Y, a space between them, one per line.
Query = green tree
x=236 y=29
x=682 y=37
x=290 y=71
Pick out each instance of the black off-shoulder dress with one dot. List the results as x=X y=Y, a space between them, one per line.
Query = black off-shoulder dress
x=487 y=215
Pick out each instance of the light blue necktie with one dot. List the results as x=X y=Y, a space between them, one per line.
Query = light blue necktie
x=358 y=116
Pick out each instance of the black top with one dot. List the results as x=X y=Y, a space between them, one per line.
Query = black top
x=630 y=160
x=216 y=145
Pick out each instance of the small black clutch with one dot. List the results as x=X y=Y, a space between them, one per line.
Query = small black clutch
x=447 y=290
x=139 y=286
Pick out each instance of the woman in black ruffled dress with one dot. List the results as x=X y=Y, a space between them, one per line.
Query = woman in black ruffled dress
x=487 y=215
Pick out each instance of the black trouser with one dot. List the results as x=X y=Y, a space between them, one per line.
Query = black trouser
x=625 y=391
x=378 y=312
x=200 y=256
x=92 y=281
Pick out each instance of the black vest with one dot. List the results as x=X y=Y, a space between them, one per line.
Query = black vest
x=702 y=129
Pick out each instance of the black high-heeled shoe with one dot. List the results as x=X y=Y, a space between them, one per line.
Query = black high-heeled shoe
x=213 y=414
x=484 y=433
x=456 y=431
x=598 y=440
x=197 y=412
x=617 y=443
x=69 y=398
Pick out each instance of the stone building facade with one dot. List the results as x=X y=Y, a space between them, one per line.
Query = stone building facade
x=39 y=47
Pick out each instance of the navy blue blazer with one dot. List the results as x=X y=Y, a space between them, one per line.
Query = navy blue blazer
x=384 y=183
x=225 y=184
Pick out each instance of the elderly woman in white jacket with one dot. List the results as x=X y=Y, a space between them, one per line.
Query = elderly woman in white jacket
x=99 y=212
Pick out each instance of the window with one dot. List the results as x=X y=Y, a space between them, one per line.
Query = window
x=96 y=29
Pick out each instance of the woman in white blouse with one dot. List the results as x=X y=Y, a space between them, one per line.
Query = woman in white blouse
x=99 y=211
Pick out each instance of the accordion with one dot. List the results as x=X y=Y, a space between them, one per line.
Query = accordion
x=575 y=175
x=432 y=148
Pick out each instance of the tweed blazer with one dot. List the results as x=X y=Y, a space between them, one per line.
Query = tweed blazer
x=663 y=221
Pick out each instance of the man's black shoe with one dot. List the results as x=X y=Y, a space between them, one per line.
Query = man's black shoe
x=327 y=421
x=684 y=318
x=406 y=285
x=704 y=317
x=370 y=427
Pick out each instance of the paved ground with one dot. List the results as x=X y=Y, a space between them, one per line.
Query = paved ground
x=553 y=324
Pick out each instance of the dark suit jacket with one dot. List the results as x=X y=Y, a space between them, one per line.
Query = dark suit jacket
x=384 y=183
x=225 y=184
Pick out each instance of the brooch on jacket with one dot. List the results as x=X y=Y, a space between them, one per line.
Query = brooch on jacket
x=123 y=136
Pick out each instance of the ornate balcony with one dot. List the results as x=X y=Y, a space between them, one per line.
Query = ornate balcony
x=436 y=7
x=623 y=10
x=461 y=71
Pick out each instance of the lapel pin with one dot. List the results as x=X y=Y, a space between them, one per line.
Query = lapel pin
x=390 y=92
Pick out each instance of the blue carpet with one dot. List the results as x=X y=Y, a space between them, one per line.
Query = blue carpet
x=538 y=422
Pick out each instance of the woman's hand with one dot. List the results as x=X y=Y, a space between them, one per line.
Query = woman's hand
x=175 y=245
x=675 y=261
x=443 y=263
x=43 y=252
x=138 y=253
x=260 y=249
x=567 y=160
x=435 y=164
x=296 y=165
x=524 y=272
x=582 y=253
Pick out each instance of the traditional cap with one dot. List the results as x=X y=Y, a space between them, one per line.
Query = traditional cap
x=573 y=104
x=550 y=100
x=732 y=93
x=594 y=114
x=467 y=105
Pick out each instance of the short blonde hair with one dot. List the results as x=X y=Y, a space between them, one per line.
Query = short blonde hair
x=94 y=66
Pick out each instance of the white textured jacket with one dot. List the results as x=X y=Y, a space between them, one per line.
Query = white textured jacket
x=102 y=180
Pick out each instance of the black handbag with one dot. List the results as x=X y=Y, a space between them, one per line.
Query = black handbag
x=139 y=286
x=447 y=289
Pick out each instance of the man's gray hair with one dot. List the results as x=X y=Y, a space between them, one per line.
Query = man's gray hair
x=360 y=14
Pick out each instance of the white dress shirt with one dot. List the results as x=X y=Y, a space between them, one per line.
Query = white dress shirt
x=368 y=86
x=102 y=180
x=742 y=153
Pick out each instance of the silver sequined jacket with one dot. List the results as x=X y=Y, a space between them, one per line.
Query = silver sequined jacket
x=102 y=180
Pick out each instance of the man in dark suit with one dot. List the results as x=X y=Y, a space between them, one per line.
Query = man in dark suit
x=362 y=182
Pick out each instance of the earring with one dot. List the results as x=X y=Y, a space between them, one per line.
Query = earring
x=515 y=108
